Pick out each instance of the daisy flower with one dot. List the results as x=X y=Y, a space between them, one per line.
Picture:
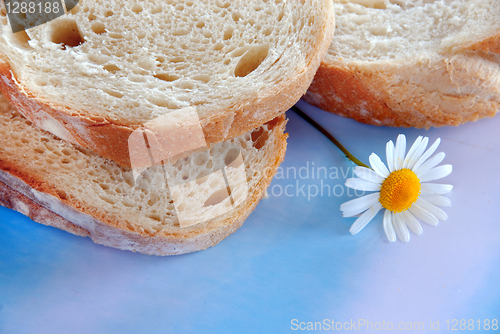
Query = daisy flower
x=402 y=188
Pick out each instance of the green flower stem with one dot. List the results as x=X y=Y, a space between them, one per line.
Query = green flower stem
x=329 y=136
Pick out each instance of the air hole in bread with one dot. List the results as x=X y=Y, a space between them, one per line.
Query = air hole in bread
x=280 y=16
x=147 y=64
x=156 y=10
x=98 y=27
x=231 y=156
x=91 y=17
x=259 y=138
x=66 y=151
x=108 y=13
x=115 y=35
x=199 y=103
x=251 y=60
x=66 y=33
x=185 y=85
x=239 y=51
x=272 y=123
x=160 y=102
x=200 y=24
x=177 y=60
x=113 y=93
x=200 y=159
x=111 y=68
x=154 y=217
x=180 y=32
x=236 y=16
x=218 y=46
x=166 y=77
x=201 y=77
x=107 y=199
x=217 y=197
x=137 y=8
x=223 y=4
x=268 y=31
x=75 y=9
x=379 y=30
x=62 y=194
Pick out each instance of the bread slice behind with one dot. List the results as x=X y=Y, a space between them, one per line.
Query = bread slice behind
x=412 y=63
x=62 y=185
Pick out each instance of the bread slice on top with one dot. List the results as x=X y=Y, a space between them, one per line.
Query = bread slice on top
x=96 y=74
x=412 y=63
x=71 y=188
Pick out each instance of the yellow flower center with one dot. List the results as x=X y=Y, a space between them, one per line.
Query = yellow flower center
x=400 y=190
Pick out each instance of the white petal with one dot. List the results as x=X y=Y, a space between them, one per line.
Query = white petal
x=418 y=153
x=412 y=222
x=388 y=228
x=429 y=164
x=368 y=174
x=378 y=166
x=399 y=152
x=412 y=151
x=434 y=210
x=427 y=154
x=389 y=154
x=358 y=205
x=360 y=184
x=437 y=200
x=365 y=218
x=401 y=228
x=436 y=173
x=435 y=188
x=424 y=215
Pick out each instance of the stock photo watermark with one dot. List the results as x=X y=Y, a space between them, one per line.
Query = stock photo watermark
x=310 y=181
x=26 y=14
x=367 y=325
x=175 y=136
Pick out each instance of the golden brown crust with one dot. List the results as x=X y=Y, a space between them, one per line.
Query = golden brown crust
x=42 y=198
x=445 y=90
x=109 y=138
x=490 y=44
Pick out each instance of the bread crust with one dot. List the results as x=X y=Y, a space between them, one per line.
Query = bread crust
x=441 y=90
x=490 y=44
x=16 y=201
x=109 y=138
x=38 y=199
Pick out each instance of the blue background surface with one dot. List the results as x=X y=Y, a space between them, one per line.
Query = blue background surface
x=292 y=259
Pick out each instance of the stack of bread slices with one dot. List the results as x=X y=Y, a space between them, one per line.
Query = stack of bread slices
x=156 y=126
x=153 y=126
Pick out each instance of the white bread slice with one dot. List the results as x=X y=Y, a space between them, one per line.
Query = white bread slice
x=412 y=63
x=74 y=189
x=94 y=75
